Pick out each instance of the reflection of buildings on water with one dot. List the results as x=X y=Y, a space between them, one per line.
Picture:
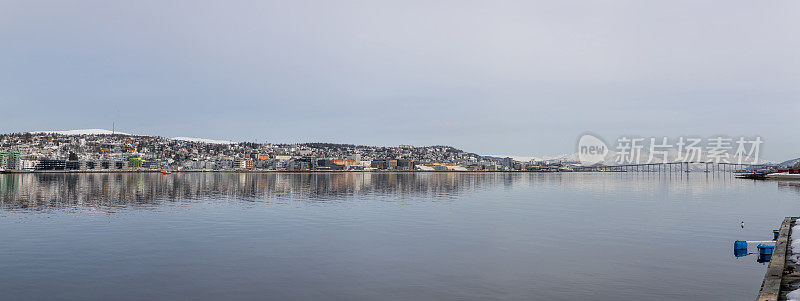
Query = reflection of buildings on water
x=792 y=186
x=37 y=191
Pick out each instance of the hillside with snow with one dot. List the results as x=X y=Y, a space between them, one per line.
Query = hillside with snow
x=82 y=132
x=108 y=132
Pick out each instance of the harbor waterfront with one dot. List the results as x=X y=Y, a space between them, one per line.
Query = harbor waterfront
x=387 y=235
x=399 y=150
x=103 y=151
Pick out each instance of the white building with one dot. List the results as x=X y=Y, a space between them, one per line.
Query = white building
x=29 y=164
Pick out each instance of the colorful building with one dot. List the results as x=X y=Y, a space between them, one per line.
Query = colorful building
x=135 y=162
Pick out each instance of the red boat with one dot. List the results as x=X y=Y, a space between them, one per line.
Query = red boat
x=166 y=172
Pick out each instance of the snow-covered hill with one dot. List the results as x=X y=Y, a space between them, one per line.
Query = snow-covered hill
x=107 y=132
x=82 y=132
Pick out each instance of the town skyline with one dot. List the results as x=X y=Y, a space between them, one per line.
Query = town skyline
x=108 y=150
x=567 y=154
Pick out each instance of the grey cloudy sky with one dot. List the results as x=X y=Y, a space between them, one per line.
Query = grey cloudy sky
x=493 y=77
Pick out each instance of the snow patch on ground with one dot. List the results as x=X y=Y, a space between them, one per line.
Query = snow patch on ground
x=203 y=140
x=82 y=132
x=795 y=244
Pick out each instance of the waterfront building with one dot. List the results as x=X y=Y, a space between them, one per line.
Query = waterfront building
x=247 y=163
x=298 y=165
x=135 y=162
x=224 y=164
x=10 y=160
x=243 y=163
x=475 y=167
x=507 y=163
x=190 y=164
x=51 y=165
x=264 y=164
x=439 y=167
x=384 y=164
x=198 y=165
x=491 y=166
x=92 y=164
x=118 y=164
x=330 y=164
x=405 y=165
x=285 y=158
x=74 y=165
x=345 y=163
x=29 y=164
x=424 y=167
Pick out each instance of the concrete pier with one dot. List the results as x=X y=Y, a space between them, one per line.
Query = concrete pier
x=781 y=277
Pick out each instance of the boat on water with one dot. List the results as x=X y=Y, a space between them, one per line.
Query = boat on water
x=166 y=172
x=751 y=175
x=783 y=176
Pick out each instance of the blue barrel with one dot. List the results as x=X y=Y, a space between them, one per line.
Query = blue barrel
x=765 y=253
x=740 y=245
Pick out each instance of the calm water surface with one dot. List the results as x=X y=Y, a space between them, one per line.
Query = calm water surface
x=384 y=236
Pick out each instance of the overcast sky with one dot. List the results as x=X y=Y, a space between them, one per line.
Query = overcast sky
x=492 y=77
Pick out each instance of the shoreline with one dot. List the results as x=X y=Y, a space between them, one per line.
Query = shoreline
x=265 y=171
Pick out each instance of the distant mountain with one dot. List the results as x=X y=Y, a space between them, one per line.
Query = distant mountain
x=562 y=157
x=518 y=158
x=789 y=163
x=82 y=132
x=611 y=158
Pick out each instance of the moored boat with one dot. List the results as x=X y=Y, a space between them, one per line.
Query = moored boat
x=751 y=175
x=783 y=176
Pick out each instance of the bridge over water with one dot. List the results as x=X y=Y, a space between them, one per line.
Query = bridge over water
x=677 y=167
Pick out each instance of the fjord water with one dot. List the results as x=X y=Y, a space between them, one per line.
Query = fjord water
x=385 y=236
